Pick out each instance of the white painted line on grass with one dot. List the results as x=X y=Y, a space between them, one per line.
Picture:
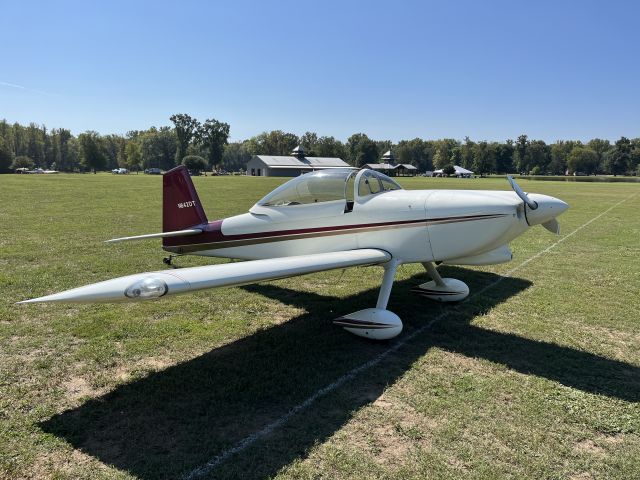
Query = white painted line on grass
x=251 y=439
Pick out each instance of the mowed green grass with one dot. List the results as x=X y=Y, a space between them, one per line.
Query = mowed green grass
x=536 y=377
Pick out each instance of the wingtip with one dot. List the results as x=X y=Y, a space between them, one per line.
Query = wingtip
x=55 y=297
x=31 y=300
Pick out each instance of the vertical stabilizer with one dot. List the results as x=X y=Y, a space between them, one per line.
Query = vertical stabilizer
x=181 y=207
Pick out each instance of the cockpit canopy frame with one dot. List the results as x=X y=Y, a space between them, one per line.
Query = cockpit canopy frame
x=328 y=186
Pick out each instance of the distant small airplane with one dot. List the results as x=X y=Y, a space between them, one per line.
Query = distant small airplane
x=326 y=220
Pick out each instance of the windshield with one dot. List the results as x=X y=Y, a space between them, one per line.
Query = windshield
x=372 y=182
x=313 y=187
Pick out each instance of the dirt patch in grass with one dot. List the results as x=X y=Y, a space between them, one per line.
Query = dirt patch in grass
x=458 y=464
x=612 y=440
x=623 y=342
x=123 y=373
x=157 y=363
x=581 y=476
x=450 y=361
x=61 y=464
x=389 y=429
x=79 y=387
x=382 y=443
x=600 y=445
x=590 y=447
x=382 y=402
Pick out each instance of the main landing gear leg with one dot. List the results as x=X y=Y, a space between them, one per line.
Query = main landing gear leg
x=169 y=260
x=376 y=323
x=441 y=289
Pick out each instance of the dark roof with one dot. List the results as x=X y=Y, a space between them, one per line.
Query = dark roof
x=380 y=166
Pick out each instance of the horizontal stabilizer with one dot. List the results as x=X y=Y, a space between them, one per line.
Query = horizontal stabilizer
x=177 y=233
x=152 y=285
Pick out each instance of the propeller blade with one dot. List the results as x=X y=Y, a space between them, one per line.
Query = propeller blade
x=553 y=226
x=516 y=188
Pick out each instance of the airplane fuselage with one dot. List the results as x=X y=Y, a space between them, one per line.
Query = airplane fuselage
x=412 y=225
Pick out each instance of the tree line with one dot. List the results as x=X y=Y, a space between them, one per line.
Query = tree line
x=205 y=146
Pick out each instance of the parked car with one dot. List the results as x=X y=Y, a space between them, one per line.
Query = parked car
x=119 y=171
x=153 y=171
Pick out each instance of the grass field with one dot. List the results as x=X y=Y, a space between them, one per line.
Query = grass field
x=536 y=377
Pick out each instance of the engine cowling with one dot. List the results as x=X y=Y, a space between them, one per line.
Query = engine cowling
x=499 y=255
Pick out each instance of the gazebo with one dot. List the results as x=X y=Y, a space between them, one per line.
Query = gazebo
x=388 y=166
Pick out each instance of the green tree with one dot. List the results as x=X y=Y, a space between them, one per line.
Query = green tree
x=456 y=156
x=275 y=142
x=35 y=145
x=466 y=153
x=6 y=157
x=92 y=155
x=383 y=146
x=361 y=150
x=602 y=149
x=504 y=156
x=54 y=146
x=308 y=142
x=415 y=152
x=22 y=161
x=194 y=163
x=484 y=160
x=73 y=153
x=235 y=156
x=521 y=157
x=213 y=135
x=443 y=151
x=49 y=154
x=634 y=157
x=158 y=148
x=67 y=159
x=538 y=155
x=329 y=147
x=113 y=144
x=132 y=159
x=186 y=128
x=448 y=170
x=6 y=133
x=617 y=160
x=559 y=154
x=582 y=159
x=19 y=140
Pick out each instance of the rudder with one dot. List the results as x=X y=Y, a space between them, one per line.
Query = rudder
x=181 y=207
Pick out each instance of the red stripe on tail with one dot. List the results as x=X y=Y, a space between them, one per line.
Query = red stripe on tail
x=181 y=207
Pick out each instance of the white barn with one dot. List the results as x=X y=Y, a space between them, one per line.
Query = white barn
x=291 y=165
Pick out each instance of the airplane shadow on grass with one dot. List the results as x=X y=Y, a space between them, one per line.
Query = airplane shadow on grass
x=173 y=421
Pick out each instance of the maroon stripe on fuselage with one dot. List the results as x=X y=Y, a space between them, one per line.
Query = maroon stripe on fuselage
x=213 y=230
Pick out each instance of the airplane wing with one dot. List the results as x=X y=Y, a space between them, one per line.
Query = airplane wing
x=151 y=285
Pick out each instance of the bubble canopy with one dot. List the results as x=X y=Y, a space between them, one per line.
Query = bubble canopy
x=323 y=186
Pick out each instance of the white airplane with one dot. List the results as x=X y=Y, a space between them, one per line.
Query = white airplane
x=332 y=219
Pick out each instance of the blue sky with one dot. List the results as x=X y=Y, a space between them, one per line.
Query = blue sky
x=393 y=70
